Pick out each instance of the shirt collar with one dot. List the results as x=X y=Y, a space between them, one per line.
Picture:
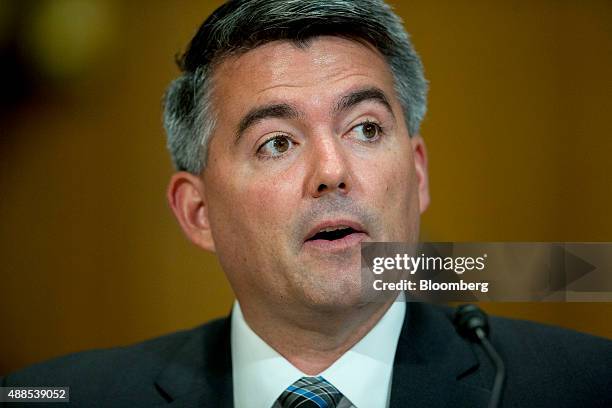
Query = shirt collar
x=362 y=374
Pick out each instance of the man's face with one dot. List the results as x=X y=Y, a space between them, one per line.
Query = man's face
x=310 y=157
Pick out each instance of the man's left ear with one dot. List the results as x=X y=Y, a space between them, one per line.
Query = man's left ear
x=420 y=163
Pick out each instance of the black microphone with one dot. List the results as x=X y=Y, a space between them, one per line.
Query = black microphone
x=473 y=324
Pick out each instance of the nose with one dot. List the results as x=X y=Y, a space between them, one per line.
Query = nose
x=330 y=170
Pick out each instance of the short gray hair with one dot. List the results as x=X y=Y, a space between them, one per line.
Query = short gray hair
x=242 y=25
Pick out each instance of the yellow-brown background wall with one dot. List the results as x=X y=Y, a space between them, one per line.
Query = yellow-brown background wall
x=518 y=133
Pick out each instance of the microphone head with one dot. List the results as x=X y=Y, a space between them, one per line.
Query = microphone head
x=468 y=318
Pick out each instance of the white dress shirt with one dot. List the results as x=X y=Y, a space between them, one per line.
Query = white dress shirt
x=362 y=374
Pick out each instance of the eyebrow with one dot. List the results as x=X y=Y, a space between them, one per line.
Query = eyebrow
x=286 y=111
x=255 y=115
x=362 y=95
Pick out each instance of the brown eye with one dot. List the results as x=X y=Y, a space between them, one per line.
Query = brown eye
x=370 y=130
x=275 y=146
x=280 y=144
x=367 y=131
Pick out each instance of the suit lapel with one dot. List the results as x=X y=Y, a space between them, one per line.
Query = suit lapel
x=434 y=366
x=200 y=374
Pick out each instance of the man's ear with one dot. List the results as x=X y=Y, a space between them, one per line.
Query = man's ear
x=420 y=163
x=187 y=198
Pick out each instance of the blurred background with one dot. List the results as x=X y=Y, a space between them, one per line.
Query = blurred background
x=518 y=131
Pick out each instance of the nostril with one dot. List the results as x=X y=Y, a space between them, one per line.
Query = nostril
x=321 y=188
x=342 y=185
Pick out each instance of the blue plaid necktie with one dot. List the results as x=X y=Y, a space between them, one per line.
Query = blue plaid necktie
x=310 y=392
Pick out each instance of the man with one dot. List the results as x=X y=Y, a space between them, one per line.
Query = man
x=294 y=128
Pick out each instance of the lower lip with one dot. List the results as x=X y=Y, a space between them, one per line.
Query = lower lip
x=336 y=245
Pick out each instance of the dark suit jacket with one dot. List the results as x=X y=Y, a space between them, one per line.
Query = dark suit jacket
x=434 y=367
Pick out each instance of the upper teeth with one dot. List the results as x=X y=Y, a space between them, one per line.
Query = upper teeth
x=330 y=229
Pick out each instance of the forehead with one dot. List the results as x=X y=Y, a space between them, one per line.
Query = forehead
x=313 y=74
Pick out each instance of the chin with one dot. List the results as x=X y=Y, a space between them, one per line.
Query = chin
x=331 y=304
x=336 y=290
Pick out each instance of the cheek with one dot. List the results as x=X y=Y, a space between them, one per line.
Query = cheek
x=267 y=205
x=393 y=191
x=255 y=207
x=394 y=179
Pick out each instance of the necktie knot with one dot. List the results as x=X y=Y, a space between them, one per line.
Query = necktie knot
x=310 y=392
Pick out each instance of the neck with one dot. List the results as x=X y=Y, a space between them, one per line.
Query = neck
x=312 y=340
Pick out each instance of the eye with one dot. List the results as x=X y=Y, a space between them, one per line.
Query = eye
x=275 y=146
x=367 y=131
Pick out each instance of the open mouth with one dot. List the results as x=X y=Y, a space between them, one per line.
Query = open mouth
x=335 y=236
x=333 y=233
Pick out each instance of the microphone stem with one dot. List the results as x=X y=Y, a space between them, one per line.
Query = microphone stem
x=500 y=375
